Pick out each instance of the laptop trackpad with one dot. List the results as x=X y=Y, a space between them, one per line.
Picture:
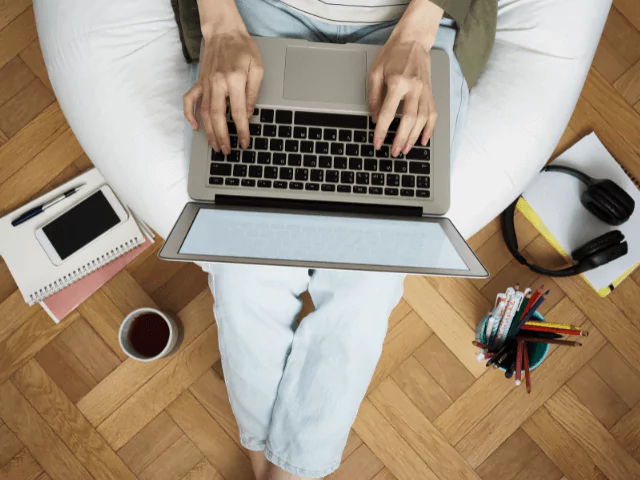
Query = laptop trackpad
x=325 y=75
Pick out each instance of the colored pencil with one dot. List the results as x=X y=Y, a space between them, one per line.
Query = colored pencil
x=519 y=362
x=555 y=330
x=512 y=368
x=566 y=343
x=516 y=319
x=531 y=311
x=566 y=326
x=534 y=299
x=502 y=358
x=527 y=373
x=545 y=335
x=485 y=356
x=479 y=345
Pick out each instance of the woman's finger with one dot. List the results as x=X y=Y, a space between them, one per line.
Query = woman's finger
x=205 y=113
x=407 y=122
x=395 y=92
x=189 y=101
x=254 y=78
x=218 y=114
x=418 y=127
x=376 y=91
x=237 y=87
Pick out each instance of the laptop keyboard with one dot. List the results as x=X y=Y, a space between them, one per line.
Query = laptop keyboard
x=323 y=152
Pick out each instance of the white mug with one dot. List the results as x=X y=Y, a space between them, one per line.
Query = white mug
x=125 y=329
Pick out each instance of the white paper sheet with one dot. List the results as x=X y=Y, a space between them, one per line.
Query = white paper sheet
x=555 y=197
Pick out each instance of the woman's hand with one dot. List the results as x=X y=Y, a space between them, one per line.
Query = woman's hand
x=403 y=66
x=230 y=66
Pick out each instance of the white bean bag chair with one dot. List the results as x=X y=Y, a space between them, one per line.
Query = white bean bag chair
x=119 y=75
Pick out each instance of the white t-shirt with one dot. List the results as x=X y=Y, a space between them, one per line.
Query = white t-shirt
x=350 y=12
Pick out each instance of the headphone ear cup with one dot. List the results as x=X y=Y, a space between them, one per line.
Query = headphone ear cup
x=609 y=239
x=608 y=201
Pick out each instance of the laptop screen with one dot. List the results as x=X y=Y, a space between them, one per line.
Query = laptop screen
x=322 y=238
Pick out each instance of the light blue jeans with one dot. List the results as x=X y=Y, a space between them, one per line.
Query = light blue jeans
x=295 y=392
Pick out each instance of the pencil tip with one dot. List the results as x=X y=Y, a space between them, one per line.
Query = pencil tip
x=547 y=292
x=518 y=382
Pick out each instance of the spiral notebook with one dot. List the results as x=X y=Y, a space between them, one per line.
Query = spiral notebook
x=36 y=275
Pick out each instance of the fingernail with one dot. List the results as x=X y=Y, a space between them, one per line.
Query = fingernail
x=406 y=149
x=377 y=143
x=395 y=151
x=226 y=150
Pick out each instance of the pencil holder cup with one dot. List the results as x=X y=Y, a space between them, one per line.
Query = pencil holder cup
x=537 y=351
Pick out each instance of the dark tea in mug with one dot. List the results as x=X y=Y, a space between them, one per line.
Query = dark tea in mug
x=149 y=334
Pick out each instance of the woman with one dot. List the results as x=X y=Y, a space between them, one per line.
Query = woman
x=295 y=392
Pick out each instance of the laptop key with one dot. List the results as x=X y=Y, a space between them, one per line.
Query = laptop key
x=269 y=130
x=300 y=132
x=302 y=174
x=223 y=169
x=248 y=156
x=423 y=193
x=324 y=161
x=388 y=139
x=337 y=148
x=216 y=156
x=317 y=119
x=372 y=125
x=264 y=158
x=315 y=133
x=362 y=178
x=248 y=182
x=317 y=175
x=420 y=167
x=393 y=180
x=345 y=135
x=261 y=143
x=322 y=147
x=306 y=147
x=386 y=166
x=359 y=189
x=327 y=187
x=424 y=182
x=371 y=164
x=344 y=188
x=405 y=192
x=333 y=176
x=216 y=180
x=284 y=116
x=291 y=146
x=264 y=183
x=312 y=186
x=408 y=181
x=256 y=111
x=270 y=172
x=255 y=171
x=284 y=131
x=377 y=179
x=330 y=134
x=340 y=162
x=234 y=156
x=310 y=160
x=233 y=140
x=400 y=166
x=352 y=149
x=295 y=160
x=286 y=173
x=383 y=152
x=360 y=136
x=296 y=185
x=232 y=128
x=375 y=190
x=367 y=150
x=232 y=181
x=355 y=163
x=279 y=158
x=276 y=145
x=394 y=124
x=281 y=185
x=255 y=129
x=266 y=115
x=240 y=170
x=419 y=154
x=346 y=177
x=391 y=191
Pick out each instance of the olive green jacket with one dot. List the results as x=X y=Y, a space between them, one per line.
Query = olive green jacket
x=476 y=20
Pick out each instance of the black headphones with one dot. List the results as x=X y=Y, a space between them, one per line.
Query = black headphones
x=603 y=198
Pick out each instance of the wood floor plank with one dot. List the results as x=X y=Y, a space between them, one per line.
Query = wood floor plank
x=10 y=446
x=131 y=375
x=626 y=297
x=464 y=297
x=31 y=140
x=398 y=313
x=183 y=369
x=628 y=85
x=510 y=458
x=13 y=77
x=599 y=444
x=479 y=239
x=627 y=432
x=540 y=468
x=17 y=35
x=609 y=62
x=423 y=390
x=151 y=442
x=511 y=274
x=22 y=467
x=24 y=107
x=175 y=462
x=126 y=294
x=45 y=446
x=14 y=313
x=9 y=10
x=517 y=406
x=353 y=442
x=445 y=322
x=181 y=288
x=28 y=340
x=389 y=446
x=212 y=393
x=597 y=396
x=618 y=374
x=361 y=465
x=203 y=471
x=488 y=391
x=7 y=284
x=69 y=424
x=432 y=447
x=152 y=272
x=226 y=457
x=560 y=447
x=407 y=335
x=630 y=9
x=624 y=37
x=38 y=172
x=32 y=56
x=105 y=318
x=385 y=474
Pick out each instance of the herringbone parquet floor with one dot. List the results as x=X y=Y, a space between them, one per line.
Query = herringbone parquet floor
x=72 y=406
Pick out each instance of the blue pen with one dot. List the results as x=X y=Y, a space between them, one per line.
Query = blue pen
x=41 y=208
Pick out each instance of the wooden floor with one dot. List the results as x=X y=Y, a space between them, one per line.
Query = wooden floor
x=72 y=406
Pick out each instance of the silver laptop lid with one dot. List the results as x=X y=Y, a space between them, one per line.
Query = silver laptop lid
x=347 y=241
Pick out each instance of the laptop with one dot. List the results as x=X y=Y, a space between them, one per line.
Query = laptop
x=311 y=191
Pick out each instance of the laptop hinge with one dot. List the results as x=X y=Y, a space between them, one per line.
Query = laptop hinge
x=319 y=206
